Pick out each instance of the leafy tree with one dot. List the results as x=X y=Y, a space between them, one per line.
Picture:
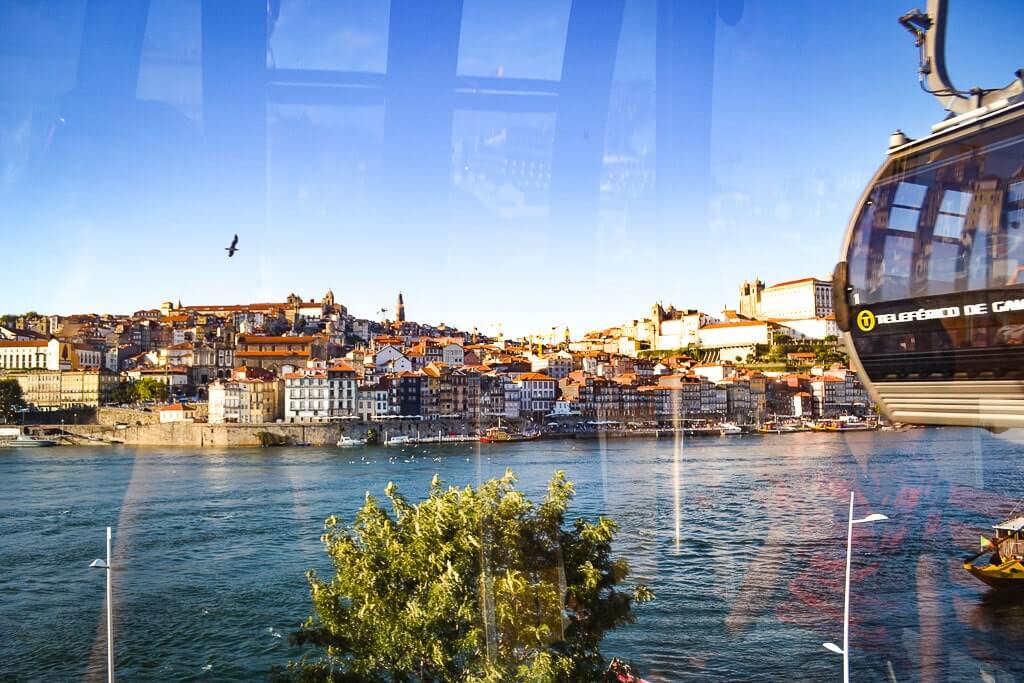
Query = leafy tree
x=11 y=399
x=124 y=392
x=372 y=437
x=467 y=585
x=149 y=389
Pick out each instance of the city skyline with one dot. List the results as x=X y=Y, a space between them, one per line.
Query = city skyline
x=502 y=239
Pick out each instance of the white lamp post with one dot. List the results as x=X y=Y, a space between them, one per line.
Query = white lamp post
x=105 y=564
x=845 y=649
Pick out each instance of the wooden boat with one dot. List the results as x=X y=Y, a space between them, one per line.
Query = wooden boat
x=1005 y=570
x=499 y=435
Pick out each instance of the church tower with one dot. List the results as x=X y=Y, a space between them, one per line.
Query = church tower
x=400 y=310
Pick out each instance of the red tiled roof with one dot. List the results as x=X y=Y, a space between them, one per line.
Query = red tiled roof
x=13 y=344
x=270 y=354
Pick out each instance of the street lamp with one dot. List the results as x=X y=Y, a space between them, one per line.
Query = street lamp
x=105 y=564
x=845 y=649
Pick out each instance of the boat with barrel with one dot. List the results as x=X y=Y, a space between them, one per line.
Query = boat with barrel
x=1005 y=568
x=845 y=423
x=500 y=435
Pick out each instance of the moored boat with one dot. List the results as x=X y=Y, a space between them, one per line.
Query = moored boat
x=1005 y=570
x=346 y=441
x=727 y=428
x=28 y=441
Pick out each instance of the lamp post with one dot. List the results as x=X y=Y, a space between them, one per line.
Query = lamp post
x=845 y=649
x=105 y=564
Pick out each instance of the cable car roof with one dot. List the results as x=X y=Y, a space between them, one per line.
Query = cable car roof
x=961 y=124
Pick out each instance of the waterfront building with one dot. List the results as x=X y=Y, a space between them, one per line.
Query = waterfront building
x=406 y=394
x=536 y=393
x=372 y=402
x=177 y=413
x=320 y=392
x=251 y=395
x=60 y=389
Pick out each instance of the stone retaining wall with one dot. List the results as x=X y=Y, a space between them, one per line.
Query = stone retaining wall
x=199 y=434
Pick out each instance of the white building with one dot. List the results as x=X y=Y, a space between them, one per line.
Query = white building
x=177 y=413
x=250 y=396
x=318 y=393
x=811 y=328
x=735 y=340
x=536 y=393
x=797 y=299
x=453 y=355
x=37 y=354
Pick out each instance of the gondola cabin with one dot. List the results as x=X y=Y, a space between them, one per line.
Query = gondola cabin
x=929 y=293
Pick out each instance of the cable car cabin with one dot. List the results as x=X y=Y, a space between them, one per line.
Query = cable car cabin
x=930 y=292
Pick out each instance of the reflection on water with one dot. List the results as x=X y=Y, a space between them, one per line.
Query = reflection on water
x=740 y=538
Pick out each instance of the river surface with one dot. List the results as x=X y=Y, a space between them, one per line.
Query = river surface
x=742 y=540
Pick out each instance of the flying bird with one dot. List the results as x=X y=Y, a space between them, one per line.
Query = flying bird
x=233 y=248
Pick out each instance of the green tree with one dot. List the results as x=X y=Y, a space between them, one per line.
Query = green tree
x=124 y=392
x=149 y=389
x=372 y=437
x=11 y=399
x=467 y=585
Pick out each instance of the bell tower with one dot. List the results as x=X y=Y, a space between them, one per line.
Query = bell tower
x=400 y=309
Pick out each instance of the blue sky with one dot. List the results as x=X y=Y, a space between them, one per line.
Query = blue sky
x=117 y=215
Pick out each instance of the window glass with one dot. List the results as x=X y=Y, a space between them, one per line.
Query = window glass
x=333 y=35
x=896 y=267
x=904 y=219
x=524 y=39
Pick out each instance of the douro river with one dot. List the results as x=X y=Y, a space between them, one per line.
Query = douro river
x=742 y=539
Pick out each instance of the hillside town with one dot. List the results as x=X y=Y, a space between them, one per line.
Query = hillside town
x=310 y=361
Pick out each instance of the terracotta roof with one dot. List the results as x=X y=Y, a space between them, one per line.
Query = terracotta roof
x=794 y=282
x=305 y=375
x=260 y=339
x=13 y=344
x=534 y=377
x=740 y=323
x=270 y=354
x=341 y=367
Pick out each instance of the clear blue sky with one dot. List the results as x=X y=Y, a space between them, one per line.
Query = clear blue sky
x=116 y=213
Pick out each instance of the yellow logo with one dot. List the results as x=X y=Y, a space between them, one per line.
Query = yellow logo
x=866 y=321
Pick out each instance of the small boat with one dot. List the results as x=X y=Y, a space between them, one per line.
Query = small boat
x=1005 y=570
x=399 y=440
x=28 y=441
x=345 y=441
x=499 y=435
x=727 y=428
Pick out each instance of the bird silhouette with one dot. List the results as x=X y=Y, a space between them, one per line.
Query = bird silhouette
x=233 y=248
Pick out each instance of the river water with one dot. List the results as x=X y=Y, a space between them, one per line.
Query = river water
x=742 y=540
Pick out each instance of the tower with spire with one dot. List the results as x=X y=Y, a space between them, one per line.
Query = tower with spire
x=400 y=310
